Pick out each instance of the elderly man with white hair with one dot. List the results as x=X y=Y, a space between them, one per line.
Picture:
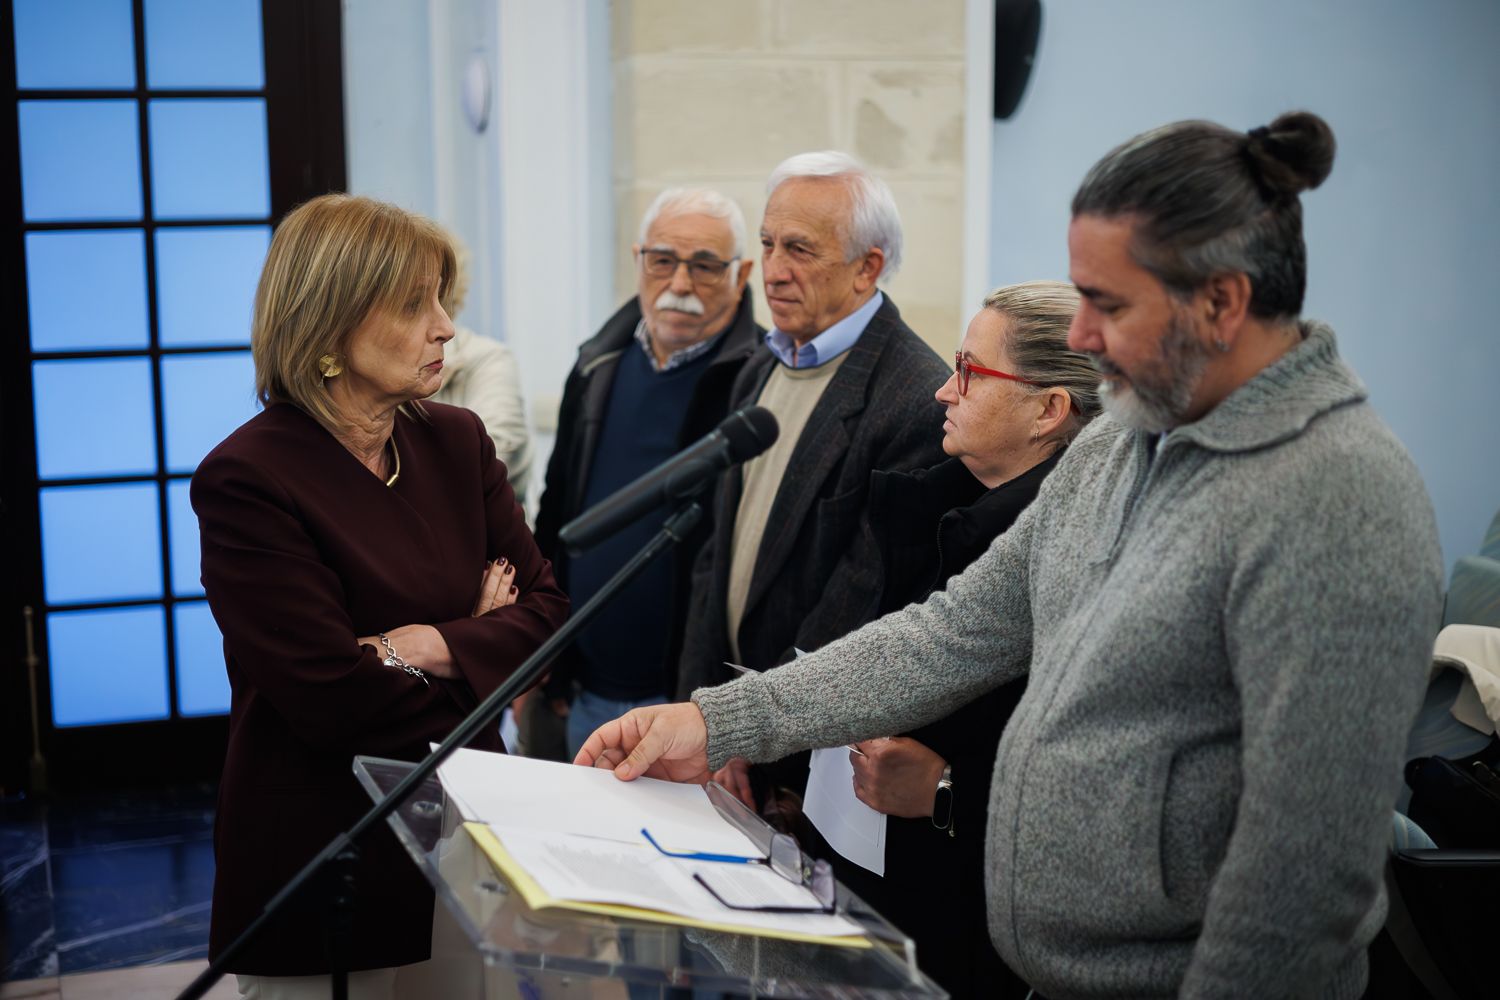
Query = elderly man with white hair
x=654 y=379
x=791 y=564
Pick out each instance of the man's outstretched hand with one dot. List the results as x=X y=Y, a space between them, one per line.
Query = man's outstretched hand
x=662 y=741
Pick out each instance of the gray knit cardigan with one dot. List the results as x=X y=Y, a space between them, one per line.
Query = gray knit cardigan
x=1227 y=645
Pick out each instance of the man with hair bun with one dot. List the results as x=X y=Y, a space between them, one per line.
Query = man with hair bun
x=1226 y=591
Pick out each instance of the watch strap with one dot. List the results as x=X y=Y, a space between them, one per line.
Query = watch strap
x=942 y=803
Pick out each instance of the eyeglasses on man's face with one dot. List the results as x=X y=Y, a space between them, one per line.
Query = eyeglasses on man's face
x=964 y=369
x=702 y=270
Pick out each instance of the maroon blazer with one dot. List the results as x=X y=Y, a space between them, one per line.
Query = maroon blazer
x=303 y=550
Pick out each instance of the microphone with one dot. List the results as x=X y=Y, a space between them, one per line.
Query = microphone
x=741 y=436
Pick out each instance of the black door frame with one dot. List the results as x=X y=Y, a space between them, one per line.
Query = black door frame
x=304 y=95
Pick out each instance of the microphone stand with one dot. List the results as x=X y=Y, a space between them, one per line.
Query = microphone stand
x=342 y=852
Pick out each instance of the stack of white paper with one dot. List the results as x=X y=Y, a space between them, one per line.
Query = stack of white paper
x=576 y=832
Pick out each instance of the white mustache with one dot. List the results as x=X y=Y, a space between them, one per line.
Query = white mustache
x=689 y=303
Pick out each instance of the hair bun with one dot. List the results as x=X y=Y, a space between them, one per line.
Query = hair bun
x=1293 y=154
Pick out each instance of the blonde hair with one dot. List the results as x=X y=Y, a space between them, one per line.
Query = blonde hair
x=333 y=261
x=458 y=292
x=1038 y=314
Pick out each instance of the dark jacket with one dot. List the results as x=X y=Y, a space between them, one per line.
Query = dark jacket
x=817 y=573
x=930 y=525
x=585 y=399
x=304 y=551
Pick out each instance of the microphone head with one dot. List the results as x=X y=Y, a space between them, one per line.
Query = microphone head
x=749 y=431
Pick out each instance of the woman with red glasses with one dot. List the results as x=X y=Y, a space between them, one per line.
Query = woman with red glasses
x=1017 y=396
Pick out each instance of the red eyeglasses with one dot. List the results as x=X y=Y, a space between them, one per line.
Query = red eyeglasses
x=964 y=370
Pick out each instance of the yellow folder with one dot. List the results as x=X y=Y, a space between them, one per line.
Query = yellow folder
x=538 y=899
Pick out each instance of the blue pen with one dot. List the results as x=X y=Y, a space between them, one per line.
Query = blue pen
x=700 y=855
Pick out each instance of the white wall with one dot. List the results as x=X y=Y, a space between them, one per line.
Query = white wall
x=1402 y=238
x=388 y=102
x=530 y=194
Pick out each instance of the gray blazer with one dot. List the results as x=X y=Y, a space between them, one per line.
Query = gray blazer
x=817 y=574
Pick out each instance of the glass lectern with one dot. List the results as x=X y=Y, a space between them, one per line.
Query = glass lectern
x=488 y=943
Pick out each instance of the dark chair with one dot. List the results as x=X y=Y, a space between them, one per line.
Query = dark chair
x=1445 y=919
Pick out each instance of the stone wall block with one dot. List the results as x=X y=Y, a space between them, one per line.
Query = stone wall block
x=907 y=118
x=908 y=28
x=697 y=118
x=644 y=27
x=930 y=280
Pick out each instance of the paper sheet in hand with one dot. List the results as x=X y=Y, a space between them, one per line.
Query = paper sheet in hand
x=852 y=828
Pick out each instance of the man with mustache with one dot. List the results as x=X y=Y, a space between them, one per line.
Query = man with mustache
x=1227 y=593
x=652 y=381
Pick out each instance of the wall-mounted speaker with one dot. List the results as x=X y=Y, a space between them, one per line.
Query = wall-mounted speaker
x=1018 y=24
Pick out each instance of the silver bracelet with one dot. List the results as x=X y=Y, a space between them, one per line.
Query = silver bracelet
x=393 y=659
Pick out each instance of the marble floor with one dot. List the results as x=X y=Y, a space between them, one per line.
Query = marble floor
x=150 y=982
x=100 y=881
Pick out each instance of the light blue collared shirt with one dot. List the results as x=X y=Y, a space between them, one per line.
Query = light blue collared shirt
x=827 y=345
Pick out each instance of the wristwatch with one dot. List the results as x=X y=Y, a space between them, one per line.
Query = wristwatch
x=942 y=803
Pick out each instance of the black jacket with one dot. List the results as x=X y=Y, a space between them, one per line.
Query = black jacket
x=817 y=571
x=930 y=525
x=584 y=402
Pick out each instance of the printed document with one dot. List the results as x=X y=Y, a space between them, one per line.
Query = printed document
x=597 y=871
x=571 y=837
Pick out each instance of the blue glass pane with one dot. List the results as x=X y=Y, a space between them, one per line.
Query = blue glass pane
x=194 y=44
x=205 y=396
x=108 y=666
x=87 y=290
x=94 y=418
x=205 y=283
x=208 y=159
x=80 y=160
x=101 y=543
x=74 y=43
x=202 y=682
x=182 y=531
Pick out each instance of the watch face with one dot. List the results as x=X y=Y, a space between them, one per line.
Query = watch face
x=942 y=806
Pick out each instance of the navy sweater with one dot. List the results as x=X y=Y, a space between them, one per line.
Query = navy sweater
x=624 y=649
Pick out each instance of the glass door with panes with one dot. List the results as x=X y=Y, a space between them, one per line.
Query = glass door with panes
x=144 y=140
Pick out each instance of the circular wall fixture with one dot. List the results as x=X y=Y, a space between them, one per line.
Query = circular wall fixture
x=476 y=92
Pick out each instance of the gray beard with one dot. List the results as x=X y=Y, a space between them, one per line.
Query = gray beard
x=1156 y=400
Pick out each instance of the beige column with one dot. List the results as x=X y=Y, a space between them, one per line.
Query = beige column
x=718 y=93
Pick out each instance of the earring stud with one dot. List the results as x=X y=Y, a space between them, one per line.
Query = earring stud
x=329 y=366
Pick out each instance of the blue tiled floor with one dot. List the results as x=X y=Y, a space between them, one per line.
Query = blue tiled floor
x=28 y=944
x=105 y=880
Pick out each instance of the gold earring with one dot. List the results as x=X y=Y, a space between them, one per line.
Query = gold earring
x=329 y=366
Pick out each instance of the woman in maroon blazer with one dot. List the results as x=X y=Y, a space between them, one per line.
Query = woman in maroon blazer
x=371 y=572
